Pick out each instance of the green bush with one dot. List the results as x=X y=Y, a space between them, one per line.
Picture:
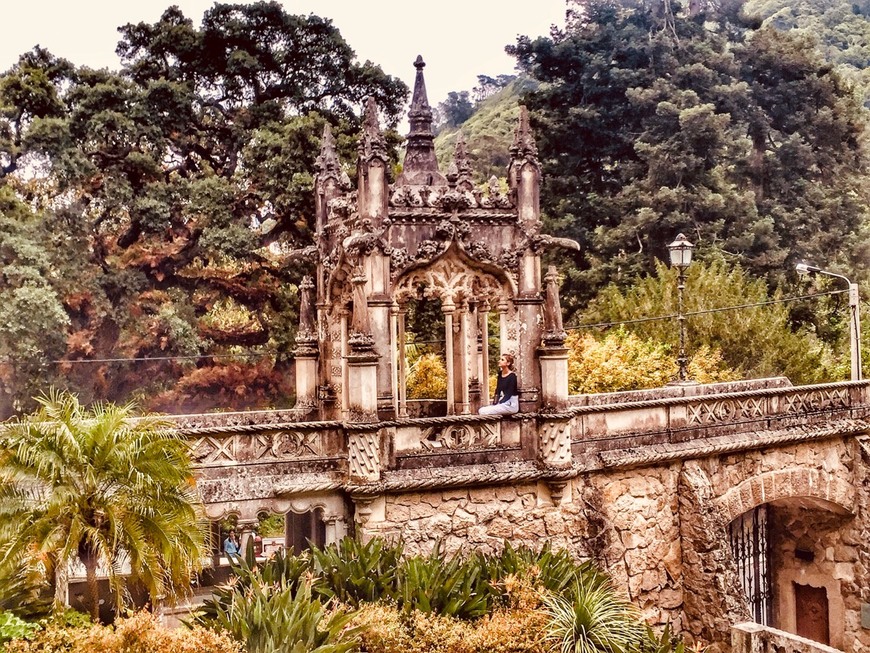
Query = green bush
x=14 y=627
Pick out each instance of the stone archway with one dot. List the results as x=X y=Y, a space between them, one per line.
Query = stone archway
x=795 y=558
x=468 y=291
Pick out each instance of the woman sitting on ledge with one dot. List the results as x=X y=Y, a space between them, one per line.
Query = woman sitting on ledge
x=506 y=401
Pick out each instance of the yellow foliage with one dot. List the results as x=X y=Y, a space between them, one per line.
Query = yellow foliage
x=386 y=630
x=622 y=361
x=427 y=378
x=140 y=633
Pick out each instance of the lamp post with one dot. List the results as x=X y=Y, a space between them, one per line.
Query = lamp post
x=681 y=256
x=854 y=316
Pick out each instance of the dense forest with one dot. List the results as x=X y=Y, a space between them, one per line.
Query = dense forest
x=152 y=216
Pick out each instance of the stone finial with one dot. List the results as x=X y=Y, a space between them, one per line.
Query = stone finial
x=327 y=163
x=420 y=114
x=554 y=333
x=361 y=334
x=306 y=311
x=463 y=166
x=372 y=143
x=306 y=335
x=421 y=165
x=524 y=141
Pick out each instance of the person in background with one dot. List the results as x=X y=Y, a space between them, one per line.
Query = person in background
x=506 y=400
x=231 y=544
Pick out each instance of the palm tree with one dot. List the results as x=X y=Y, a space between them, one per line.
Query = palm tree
x=105 y=488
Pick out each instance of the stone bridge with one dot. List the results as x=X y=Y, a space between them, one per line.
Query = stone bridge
x=710 y=505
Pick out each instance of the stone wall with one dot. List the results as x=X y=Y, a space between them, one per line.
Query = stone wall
x=661 y=531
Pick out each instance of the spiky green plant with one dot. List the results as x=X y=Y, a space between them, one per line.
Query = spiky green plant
x=281 y=618
x=280 y=570
x=594 y=619
x=352 y=571
x=453 y=588
x=101 y=487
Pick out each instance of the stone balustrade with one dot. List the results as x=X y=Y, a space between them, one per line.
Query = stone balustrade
x=755 y=638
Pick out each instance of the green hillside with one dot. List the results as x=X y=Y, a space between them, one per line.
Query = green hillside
x=488 y=133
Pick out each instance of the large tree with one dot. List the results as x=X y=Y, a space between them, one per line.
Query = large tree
x=175 y=192
x=652 y=121
x=104 y=488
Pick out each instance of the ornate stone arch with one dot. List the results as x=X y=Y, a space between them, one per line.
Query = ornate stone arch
x=454 y=276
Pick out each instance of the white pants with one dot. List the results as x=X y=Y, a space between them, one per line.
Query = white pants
x=509 y=407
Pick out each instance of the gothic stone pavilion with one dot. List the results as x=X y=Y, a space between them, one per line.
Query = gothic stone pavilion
x=711 y=505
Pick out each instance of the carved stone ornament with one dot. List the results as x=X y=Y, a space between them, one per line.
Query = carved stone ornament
x=460 y=436
x=296 y=444
x=450 y=278
x=554 y=333
x=364 y=454
x=554 y=446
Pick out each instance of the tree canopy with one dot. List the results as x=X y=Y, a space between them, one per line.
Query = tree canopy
x=652 y=123
x=154 y=212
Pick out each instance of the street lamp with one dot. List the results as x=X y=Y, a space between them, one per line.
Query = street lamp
x=681 y=256
x=854 y=316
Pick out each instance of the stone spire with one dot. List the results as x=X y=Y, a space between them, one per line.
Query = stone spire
x=327 y=163
x=463 y=166
x=372 y=143
x=421 y=166
x=524 y=142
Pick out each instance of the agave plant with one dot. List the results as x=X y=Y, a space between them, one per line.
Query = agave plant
x=352 y=572
x=281 y=570
x=594 y=619
x=271 y=609
x=454 y=588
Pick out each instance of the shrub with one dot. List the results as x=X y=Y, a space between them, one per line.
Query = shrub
x=353 y=572
x=140 y=633
x=594 y=619
x=427 y=378
x=14 y=627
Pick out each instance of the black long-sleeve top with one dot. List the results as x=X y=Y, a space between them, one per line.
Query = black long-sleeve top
x=505 y=387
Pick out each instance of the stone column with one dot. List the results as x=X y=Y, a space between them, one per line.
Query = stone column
x=394 y=355
x=473 y=345
x=484 y=345
x=345 y=351
x=306 y=354
x=448 y=308
x=461 y=361
x=336 y=528
x=362 y=360
x=403 y=365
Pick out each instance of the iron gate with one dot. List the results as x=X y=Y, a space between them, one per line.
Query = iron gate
x=750 y=546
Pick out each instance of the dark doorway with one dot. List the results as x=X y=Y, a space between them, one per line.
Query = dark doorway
x=811 y=613
x=304 y=528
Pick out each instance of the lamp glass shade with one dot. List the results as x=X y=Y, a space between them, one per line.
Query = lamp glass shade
x=681 y=252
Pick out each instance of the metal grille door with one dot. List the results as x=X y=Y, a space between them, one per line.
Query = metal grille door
x=750 y=546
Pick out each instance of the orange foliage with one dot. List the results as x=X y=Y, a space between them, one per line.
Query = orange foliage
x=230 y=386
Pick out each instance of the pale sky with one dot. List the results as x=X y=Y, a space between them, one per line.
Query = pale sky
x=458 y=39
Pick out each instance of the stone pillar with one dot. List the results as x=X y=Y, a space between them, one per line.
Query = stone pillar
x=379 y=306
x=336 y=528
x=246 y=533
x=306 y=354
x=345 y=368
x=394 y=355
x=473 y=346
x=403 y=365
x=448 y=308
x=362 y=360
x=484 y=347
x=552 y=354
x=713 y=599
x=461 y=361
